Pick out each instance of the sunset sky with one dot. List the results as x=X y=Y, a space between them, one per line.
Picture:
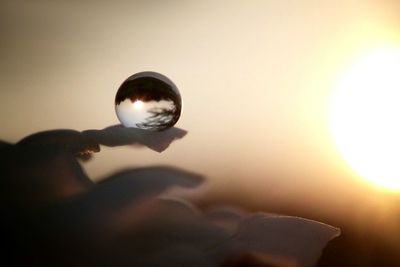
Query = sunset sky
x=256 y=80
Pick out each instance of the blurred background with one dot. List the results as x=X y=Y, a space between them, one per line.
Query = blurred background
x=256 y=78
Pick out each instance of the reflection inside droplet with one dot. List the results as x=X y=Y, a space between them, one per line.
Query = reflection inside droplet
x=148 y=100
x=138 y=104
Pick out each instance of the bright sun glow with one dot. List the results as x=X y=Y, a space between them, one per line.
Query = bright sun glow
x=138 y=104
x=365 y=117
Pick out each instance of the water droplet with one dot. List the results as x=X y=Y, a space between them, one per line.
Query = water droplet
x=148 y=100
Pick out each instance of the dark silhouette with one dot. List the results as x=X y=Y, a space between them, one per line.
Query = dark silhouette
x=148 y=86
x=51 y=211
x=53 y=214
x=4 y=144
x=161 y=118
x=89 y=141
x=118 y=135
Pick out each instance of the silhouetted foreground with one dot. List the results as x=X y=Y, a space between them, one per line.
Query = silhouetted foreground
x=54 y=215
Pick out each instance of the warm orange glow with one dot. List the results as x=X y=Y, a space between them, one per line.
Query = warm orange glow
x=365 y=117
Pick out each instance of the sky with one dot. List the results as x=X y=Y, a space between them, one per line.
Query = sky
x=256 y=78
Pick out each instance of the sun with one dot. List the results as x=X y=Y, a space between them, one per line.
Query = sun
x=138 y=104
x=365 y=117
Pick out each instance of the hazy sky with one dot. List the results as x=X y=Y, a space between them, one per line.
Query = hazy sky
x=255 y=79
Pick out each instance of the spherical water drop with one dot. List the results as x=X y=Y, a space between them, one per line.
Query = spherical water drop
x=148 y=100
